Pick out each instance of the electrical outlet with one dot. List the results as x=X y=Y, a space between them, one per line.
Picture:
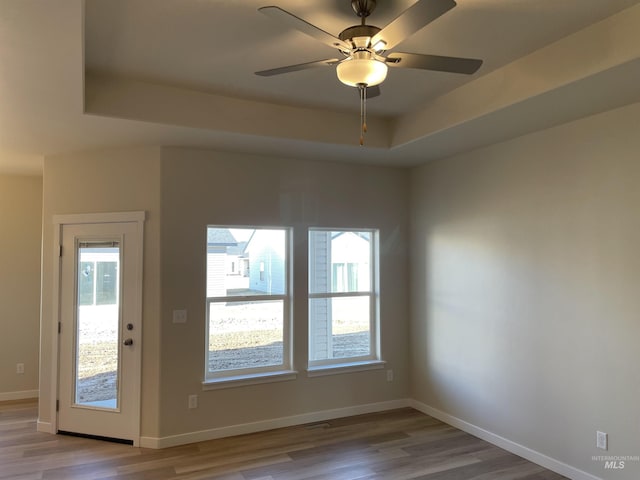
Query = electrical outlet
x=602 y=440
x=19 y=368
x=179 y=316
x=193 y=401
x=389 y=375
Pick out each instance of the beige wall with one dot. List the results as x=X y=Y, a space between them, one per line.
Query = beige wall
x=524 y=279
x=182 y=191
x=97 y=182
x=21 y=220
x=201 y=187
x=525 y=286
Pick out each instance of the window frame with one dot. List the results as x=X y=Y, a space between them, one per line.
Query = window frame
x=250 y=375
x=362 y=362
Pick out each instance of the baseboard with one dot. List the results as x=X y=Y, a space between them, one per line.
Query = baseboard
x=203 y=435
x=24 y=395
x=45 y=427
x=504 y=443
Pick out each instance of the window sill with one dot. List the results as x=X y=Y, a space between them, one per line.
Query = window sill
x=249 y=379
x=338 y=368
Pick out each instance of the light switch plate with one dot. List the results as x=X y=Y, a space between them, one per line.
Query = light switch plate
x=179 y=316
x=602 y=440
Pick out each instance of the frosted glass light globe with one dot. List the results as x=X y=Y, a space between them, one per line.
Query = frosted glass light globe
x=361 y=70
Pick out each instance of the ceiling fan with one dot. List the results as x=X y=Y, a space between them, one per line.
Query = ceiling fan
x=364 y=47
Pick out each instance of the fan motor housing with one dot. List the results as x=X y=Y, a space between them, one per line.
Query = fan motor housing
x=358 y=31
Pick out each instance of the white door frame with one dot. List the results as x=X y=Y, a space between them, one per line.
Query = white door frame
x=59 y=221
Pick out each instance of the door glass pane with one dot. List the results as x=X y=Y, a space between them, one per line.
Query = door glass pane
x=98 y=321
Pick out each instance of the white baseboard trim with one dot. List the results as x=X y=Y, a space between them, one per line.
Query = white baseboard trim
x=504 y=443
x=24 y=395
x=45 y=427
x=211 y=434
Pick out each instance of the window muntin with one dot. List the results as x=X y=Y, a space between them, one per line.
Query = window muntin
x=248 y=303
x=343 y=319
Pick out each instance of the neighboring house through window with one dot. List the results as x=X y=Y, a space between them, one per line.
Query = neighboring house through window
x=343 y=300
x=98 y=277
x=248 y=308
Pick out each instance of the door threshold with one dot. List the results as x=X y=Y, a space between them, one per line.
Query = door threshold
x=96 y=437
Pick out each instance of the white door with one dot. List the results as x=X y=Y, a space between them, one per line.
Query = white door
x=99 y=334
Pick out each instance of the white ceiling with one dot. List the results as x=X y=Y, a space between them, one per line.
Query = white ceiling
x=80 y=75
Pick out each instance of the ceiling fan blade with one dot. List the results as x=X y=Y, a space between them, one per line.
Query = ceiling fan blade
x=299 y=66
x=305 y=27
x=434 y=62
x=411 y=20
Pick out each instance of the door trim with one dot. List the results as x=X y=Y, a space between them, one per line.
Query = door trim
x=59 y=221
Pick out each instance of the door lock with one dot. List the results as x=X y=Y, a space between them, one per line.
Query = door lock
x=129 y=326
x=128 y=342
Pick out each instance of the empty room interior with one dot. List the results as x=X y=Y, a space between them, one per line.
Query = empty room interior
x=220 y=219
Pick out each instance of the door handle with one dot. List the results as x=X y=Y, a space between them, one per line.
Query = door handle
x=128 y=342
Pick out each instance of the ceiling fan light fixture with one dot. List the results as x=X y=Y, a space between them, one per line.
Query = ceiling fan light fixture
x=364 y=46
x=357 y=71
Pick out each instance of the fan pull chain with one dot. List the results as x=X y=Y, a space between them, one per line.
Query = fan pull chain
x=363 y=111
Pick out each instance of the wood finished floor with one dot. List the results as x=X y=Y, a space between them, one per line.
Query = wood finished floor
x=395 y=445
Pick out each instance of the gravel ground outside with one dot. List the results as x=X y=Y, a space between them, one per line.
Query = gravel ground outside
x=248 y=335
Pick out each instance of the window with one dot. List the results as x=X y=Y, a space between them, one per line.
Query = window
x=343 y=318
x=248 y=315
